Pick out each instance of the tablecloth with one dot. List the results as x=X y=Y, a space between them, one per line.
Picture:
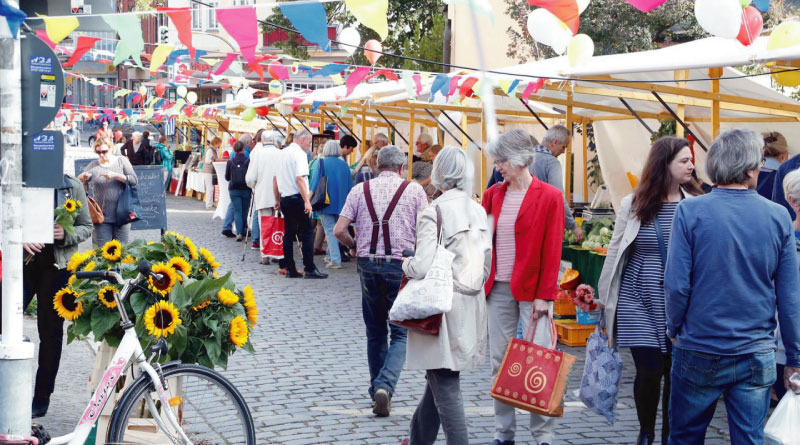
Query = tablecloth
x=224 y=198
x=194 y=181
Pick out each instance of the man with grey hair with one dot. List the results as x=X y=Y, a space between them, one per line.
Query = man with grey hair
x=385 y=211
x=721 y=309
x=293 y=198
x=381 y=140
x=264 y=160
x=546 y=168
x=136 y=151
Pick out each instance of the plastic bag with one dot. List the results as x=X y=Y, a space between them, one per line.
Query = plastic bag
x=783 y=427
x=601 y=374
x=429 y=296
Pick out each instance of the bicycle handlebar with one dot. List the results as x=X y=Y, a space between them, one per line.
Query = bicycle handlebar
x=109 y=275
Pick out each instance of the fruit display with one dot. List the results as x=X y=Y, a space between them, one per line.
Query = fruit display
x=570 y=279
x=598 y=233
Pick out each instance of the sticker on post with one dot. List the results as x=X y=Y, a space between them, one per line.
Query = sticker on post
x=47 y=95
x=44 y=142
x=42 y=64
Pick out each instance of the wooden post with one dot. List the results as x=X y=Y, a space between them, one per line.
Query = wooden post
x=585 y=124
x=715 y=73
x=465 y=128
x=321 y=122
x=680 y=109
x=568 y=152
x=411 y=143
x=363 y=129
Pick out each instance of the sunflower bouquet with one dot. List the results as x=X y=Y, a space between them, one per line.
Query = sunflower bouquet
x=203 y=316
x=65 y=216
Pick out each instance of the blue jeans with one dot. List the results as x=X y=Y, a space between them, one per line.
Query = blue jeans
x=241 y=204
x=380 y=282
x=227 y=224
x=255 y=228
x=698 y=381
x=328 y=222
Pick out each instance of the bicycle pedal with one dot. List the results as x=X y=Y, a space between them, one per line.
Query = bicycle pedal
x=38 y=431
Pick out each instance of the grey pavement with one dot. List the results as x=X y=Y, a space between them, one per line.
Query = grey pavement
x=307 y=381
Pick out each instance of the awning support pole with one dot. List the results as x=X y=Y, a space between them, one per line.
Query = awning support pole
x=444 y=113
x=392 y=126
x=349 y=130
x=534 y=114
x=440 y=125
x=680 y=121
x=636 y=115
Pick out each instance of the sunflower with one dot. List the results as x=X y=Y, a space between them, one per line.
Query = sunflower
x=249 y=297
x=128 y=260
x=227 y=297
x=79 y=204
x=112 y=251
x=239 y=331
x=70 y=205
x=90 y=267
x=202 y=305
x=163 y=286
x=180 y=265
x=106 y=296
x=67 y=304
x=161 y=319
x=192 y=249
x=212 y=262
x=71 y=280
x=78 y=258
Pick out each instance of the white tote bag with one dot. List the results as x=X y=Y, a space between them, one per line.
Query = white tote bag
x=431 y=295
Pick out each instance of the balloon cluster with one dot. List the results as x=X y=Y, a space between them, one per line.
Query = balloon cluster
x=729 y=19
x=548 y=29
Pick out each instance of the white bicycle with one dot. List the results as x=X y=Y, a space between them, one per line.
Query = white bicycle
x=173 y=403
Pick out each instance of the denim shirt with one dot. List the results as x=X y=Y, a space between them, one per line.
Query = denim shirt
x=731 y=265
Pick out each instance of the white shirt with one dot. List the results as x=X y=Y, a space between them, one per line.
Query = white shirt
x=294 y=163
x=264 y=162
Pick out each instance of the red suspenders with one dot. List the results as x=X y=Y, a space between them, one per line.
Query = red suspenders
x=384 y=223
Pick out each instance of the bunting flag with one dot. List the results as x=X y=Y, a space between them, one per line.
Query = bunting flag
x=58 y=28
x=242 y=25
x=130 y=43
x=565 y=10
x=160 y=55
x=278 y=71
x=327 y=70
x=356 y=77
x=181 y=19
x=372 y=14
x=441 y=84
x=225 y=64
x=84 y=44
x=532 y=88
x=13 y=17
x=315 y=106
x=408 y=83
x=296 y=103
x=465 y=90
x=453 y=87
x=417 y=83
x=508 y=86
x=386 y=72
x=43 y=35
x=310 y=20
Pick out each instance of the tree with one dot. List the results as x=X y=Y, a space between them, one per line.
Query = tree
x=617 y=27
x=412 y=32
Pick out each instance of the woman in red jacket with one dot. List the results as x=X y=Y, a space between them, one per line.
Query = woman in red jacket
x=527 y=217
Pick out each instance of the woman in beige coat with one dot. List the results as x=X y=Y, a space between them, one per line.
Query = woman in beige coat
x=461 y=343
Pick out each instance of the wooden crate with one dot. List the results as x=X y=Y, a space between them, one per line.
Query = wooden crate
x=563 y=308
x=571 y=333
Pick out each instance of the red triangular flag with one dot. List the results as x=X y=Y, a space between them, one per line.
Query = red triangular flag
x=565 y=10
x=84 y=44
x=466 y=87
x=385 y=72
x=182 y=20
x=532 y=87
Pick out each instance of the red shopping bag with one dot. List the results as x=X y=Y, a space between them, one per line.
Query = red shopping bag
x=272 y=228
x=532 y=377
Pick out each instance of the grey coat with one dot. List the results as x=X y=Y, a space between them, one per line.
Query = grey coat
x=64 y=249
x=547 y=169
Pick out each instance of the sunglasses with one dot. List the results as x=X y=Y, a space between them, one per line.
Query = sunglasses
x=102 y=152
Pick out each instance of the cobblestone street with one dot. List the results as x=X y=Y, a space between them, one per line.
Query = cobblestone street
x=307 y=382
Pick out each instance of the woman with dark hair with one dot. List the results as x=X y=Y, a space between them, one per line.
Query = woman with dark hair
x=776 y=152
x=236 y=175
x=631 y=286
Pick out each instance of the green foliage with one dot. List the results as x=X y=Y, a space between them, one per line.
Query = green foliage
x=32 y=307
x=594 y=173
x=668 y=127
x=426 y=45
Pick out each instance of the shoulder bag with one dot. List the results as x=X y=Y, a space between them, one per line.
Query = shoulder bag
x=95 y=211
x=129 y=209
x=321 y=199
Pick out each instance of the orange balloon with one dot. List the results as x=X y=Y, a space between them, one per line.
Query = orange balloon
x=370 y=47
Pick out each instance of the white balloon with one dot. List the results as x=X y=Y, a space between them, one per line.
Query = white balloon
x=142 y=90
x=582 y=5
x=245 y=97
x=546 y=28
x=351 y=38
x=191 y=97
x=284 y=108
x=181 y=91
x=721 y=18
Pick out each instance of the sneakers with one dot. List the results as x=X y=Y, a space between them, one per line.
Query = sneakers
x=383 y=403
x=239 y=238
x=228 y=233
x=332 y=266
x=255 y=246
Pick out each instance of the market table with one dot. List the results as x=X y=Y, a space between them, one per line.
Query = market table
x=588 y=263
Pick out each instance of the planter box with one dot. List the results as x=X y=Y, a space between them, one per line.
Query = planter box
x=588 y=318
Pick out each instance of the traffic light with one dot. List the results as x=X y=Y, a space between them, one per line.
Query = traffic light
x=163 y=35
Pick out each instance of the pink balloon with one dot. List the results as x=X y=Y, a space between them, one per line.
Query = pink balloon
x=646 y=5
x=369 y=47
x=752 y=24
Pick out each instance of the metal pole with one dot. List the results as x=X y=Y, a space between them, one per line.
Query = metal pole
x=636 y=115
x=345 y=125
x=680 y=121
x=16 y=356
x=440 y=125
x=302 y=123
x=459 y=128
x=392 y=126
x=287 y=121
x=275 y=126
x=534 y=114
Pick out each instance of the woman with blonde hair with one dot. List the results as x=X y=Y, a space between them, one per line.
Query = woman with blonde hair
x=367 y=166
x=776 y=152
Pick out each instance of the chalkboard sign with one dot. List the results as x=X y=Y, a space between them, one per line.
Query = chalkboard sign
x=151 y=194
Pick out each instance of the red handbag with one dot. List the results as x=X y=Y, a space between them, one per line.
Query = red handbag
x=532 y=377
x=272 y=228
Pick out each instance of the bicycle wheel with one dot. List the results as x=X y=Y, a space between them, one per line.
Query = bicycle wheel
x=209 y=408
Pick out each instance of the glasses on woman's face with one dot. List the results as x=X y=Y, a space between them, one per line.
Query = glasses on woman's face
x=763 y=161
x=101 y=152
x=498 y=162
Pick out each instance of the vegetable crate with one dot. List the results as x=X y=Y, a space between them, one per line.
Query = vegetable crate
x=571 y=333
x=564 y=308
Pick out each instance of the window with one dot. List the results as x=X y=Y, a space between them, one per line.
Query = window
x=204 y=17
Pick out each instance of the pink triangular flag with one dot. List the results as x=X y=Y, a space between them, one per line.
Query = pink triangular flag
x=242 y=25
x=356 y=77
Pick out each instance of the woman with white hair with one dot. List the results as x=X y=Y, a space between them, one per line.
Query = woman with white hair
x=527 y=219
x=460 y=344
x=340 y=182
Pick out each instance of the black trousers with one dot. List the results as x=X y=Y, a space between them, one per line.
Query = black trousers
x=43 y=279
x=299 y=225
x=651 y=366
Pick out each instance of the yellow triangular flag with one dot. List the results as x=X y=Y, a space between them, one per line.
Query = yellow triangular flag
x=372 y=14
x=337 y=79
x=59 y=28
x=159 y=57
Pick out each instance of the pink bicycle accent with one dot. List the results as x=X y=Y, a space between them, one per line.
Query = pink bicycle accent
x=100 y=397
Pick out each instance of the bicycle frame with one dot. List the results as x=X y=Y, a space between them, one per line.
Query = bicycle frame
x=128 y=347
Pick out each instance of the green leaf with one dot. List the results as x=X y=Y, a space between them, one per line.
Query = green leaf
x=212 y=323
x=70 y=335
x=103 y=320
x=249 y=347
x=212 y=348
x=83 y=325
x=222 y=361
x=178 y=297
x=138 y=302
x=205 y=361
x=179 y=340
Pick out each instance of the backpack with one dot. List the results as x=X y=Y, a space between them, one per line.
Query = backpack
x=157 y=160
x=238 y=173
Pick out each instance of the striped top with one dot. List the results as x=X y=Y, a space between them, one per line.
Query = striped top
x=641 y=320
x=504 y=235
